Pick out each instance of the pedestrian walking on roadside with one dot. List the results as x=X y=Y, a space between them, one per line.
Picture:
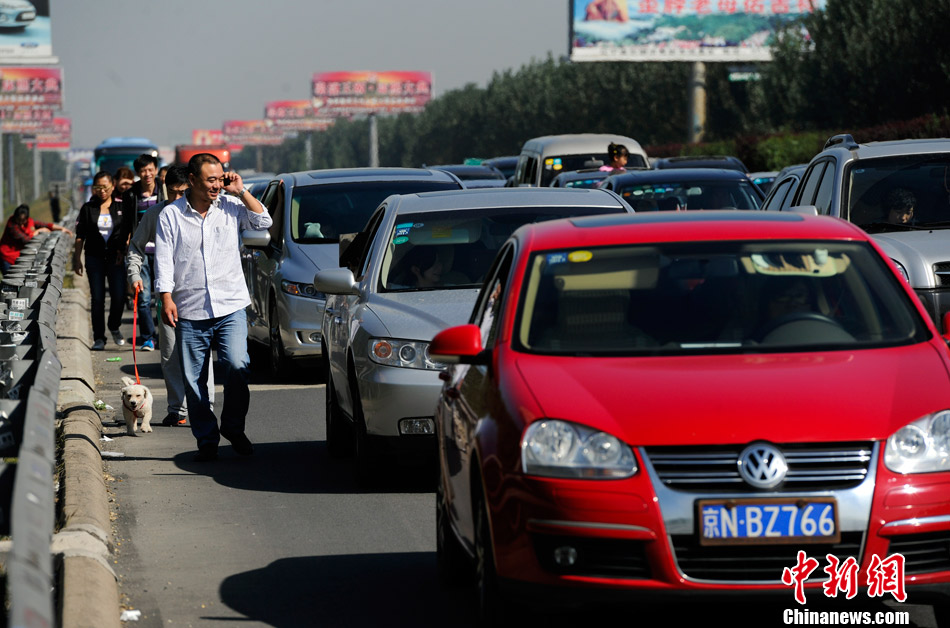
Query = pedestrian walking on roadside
x=142 y=195
x=176 y=183
x=203 y=295
x=102 y=234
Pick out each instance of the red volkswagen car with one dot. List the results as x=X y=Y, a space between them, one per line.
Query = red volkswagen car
x=687 y=403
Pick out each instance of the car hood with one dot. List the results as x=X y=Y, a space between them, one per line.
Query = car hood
x=917 y=251
x=322 y=256
x=740 y=398
x=421 y=315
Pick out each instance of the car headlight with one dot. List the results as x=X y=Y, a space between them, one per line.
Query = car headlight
x=920 y=447
x=302 y=290
x=562 y=449
x=901 y=270
x=411 y=354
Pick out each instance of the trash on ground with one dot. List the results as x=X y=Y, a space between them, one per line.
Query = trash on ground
x=115 y=359
x=130 y=615
x=100 y=404
x=112 y=454
x=106 y=439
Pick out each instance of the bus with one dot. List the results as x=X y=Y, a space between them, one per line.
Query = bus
x=115 y=152
x=184 y=152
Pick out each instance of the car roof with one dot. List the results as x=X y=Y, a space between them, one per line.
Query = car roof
x=699 y=161
x=892 y=148
x=673 y=175
x=656 y=227
x=354 y=175
x=579 y=143
x=468 y=169
x=505 y=197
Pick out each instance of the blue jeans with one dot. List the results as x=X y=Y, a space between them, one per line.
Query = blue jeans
x=196 y=338
x=146 y=326
x=98 y=270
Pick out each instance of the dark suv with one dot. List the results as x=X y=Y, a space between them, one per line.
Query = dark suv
x=899 y=192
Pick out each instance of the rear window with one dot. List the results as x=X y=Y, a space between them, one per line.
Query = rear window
x=320 y=213
x=555 y=165
x=691 y=195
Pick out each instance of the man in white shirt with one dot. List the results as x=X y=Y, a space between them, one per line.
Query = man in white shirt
x=203 y=295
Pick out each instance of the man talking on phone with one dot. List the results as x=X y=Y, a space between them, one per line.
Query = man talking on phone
x=203 y=295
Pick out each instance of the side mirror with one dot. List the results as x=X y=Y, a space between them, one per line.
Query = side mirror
x=335 y=281
x=255 y=239
x=946 y=327
x=459 y=345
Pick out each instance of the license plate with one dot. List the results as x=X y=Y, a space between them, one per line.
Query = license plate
x=768 y=521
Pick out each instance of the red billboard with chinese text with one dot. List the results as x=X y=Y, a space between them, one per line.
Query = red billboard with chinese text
x=36 y=87
x=240 y=133
x=297 y=115
x=680 y=30
x=207 y=137
x=349 y=93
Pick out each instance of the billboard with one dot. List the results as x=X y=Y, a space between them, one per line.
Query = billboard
x=25 y=32
x=349 y=93
x=31 y=87
x=297 y=115
x=240 y=133
x=207 y=137
x=680 y=30
x=56 y=137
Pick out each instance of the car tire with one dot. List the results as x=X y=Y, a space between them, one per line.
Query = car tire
x=492 y=606
x=279 y=363
x=339 y=439
x=452 y=562
x=366 y=463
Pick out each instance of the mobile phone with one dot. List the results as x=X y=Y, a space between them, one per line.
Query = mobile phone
x=226 y=180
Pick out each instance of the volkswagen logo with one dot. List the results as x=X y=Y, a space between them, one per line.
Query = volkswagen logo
x=761 y=465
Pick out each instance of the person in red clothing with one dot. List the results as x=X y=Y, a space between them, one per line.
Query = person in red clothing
x=19 y=231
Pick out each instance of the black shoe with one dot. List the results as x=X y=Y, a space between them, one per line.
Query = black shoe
x=206 y=453
x=171 y=419
x=240 y=443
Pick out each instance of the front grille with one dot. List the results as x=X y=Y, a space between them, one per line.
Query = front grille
x=923 y=553
x=942 y=273
x=604 y=558
x=752 y=562
x=824 y=466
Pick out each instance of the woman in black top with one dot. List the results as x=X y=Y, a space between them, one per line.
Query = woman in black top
x=102 y=232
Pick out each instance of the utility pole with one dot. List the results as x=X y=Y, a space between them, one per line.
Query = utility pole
x=373 y=142
x=697 y=102
x=37 y=161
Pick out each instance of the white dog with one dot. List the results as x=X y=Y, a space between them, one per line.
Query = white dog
x=136 y=405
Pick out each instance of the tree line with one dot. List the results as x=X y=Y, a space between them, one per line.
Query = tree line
x=862 y=63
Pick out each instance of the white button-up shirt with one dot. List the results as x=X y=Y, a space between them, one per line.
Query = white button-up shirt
x=198 y=260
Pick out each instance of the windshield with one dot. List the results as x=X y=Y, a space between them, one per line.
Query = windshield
x=320 y=213
x=554 y=166
x=111 y=163
x=721 y=297
x=691 y=195
x=453 y=249
x=900 y=193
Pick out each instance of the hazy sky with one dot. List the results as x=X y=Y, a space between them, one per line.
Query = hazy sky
x=160 y=69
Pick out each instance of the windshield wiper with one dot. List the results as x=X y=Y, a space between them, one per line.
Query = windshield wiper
x=935 y=225
x=890 y=226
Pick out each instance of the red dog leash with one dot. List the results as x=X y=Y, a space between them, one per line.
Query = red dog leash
x=135 y=316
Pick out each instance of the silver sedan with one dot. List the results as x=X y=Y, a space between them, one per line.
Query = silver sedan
x=415 y=270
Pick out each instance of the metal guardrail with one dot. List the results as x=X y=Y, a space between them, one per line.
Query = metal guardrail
x=29 y=386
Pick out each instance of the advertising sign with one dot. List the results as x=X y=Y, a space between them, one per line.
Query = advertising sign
x=297 y=115
x=349 y=93
x=25 y=32
x=240 y=133
x=207 y=137
x=33 y=87
x=57 y=137
x=680 y=30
